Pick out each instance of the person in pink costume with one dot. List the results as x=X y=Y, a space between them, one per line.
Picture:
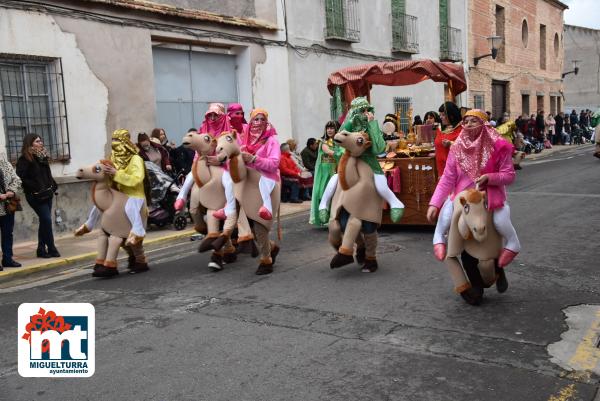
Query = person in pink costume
x=215 y=122
x=235 y=111
x=481 y=158
x=260 y=151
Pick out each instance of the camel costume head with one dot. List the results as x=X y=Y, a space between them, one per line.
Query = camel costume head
x=203 y=143
x=472 y=222
x=354 y=142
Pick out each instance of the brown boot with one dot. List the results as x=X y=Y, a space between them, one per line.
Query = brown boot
x=206 y=244
x=104 y=271
x=139 y=268
x=216 y=262
x=340 y=260
x=370 y=266
x=274 y=253
x=360 y=255
x=264 y=268
x=230 y=257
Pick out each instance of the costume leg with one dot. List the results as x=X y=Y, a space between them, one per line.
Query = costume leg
x=229 y=195
x=506 y=229
x=386 y=193
x=133 y=209
x=266 y=186
x=93 y=218
x=186 y=187
x=350 y=233
x=264 y=244
x=443 y=223
x=244 y=231
x=101 y=247
x=457 y=274
x=329 y=192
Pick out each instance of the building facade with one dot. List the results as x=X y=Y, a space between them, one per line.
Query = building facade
x=92 y=66
x=582 y=91
x=525 y=76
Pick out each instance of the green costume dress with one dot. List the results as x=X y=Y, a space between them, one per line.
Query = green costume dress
x=325 y=168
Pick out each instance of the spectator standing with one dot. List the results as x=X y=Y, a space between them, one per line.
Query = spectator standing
x=182 y=157
x=550 y=127
x=573 y=118
x=33 y=167
x=558 y=128
x=153 y=152
x=10 y=184
x=540 y=125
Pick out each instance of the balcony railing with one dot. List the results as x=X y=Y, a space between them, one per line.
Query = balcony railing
x=342 y=21
x=405 y=37
x=450 y=44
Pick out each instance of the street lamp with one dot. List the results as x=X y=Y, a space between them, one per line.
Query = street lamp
x=494 y=42
x=575 y=69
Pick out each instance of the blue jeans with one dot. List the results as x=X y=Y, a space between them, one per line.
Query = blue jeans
x=7 y=223
x=290 y=190
x=43 y=209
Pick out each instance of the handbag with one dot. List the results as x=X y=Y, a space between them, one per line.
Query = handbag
x=44 y=194
x=14 y=204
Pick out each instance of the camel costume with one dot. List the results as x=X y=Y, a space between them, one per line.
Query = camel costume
x=250 y=188
x=479 y=157
x=357 y=121
x=119 y=205
x=209 y=193
x=356 y=207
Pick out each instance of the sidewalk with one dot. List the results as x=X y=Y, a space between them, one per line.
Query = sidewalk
x=75 y=249
x=553 y=150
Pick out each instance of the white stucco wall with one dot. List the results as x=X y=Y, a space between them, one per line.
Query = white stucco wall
x=85 y=95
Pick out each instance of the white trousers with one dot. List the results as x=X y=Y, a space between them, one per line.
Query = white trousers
x=229 y=195
x=186 y=187
x=133 y=210
x=381 y=186
x=266 y=186
x=502 y=222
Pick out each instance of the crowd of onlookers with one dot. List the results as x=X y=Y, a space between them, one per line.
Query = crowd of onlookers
x=560 y=129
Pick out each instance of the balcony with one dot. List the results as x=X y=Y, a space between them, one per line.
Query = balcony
x=341 y=20
x=405 y=37
x=450 y=44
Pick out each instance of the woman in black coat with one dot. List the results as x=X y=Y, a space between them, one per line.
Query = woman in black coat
x=34 y=170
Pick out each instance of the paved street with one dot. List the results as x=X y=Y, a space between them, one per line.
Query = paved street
x=181 y=332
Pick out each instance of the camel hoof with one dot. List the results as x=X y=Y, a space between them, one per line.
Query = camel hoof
x=216 y=263
x=360 y=255
x=274 y=253
x=139 y=268
x=370 y=266
x=230 y=257
x=472 y=296
x=340 y=260
x=218 y=242
x=264 y=268
x=501 y=282
x=206 y=244
x=98 y=266
x=104 y=271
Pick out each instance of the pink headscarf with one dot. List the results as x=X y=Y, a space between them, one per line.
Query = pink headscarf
x=237 y=121
x=474 y=146
x=221 y=124
x=256 y=133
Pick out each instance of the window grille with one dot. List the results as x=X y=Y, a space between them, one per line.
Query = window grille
x=405 y=36
x=341 y=20
x=450 y=44
x=32 y=98
x=401 y=106
x=479 y=102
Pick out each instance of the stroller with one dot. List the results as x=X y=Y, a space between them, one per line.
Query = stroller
x=163 y=193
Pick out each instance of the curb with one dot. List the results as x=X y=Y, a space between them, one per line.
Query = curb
x=542 y=155
x=5 y=275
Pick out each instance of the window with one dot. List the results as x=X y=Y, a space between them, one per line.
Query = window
x=500 y=23
x=450 y=38
x=341 y=20
x=479 y=101
x=401 y=106
x=542 y=47
x=33 y=101
x=556 y=45
x=404 y=29
x=524 y=33
x=525 y=105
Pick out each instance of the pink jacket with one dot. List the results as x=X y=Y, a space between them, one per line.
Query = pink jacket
x=267 y=159
x=499 y=170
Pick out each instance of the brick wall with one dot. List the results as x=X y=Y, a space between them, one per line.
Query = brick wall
x=521 y=66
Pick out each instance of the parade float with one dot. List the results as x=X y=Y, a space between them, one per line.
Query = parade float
x=409 y=161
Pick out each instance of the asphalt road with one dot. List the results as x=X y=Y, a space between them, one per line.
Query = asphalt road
x=181 y=332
